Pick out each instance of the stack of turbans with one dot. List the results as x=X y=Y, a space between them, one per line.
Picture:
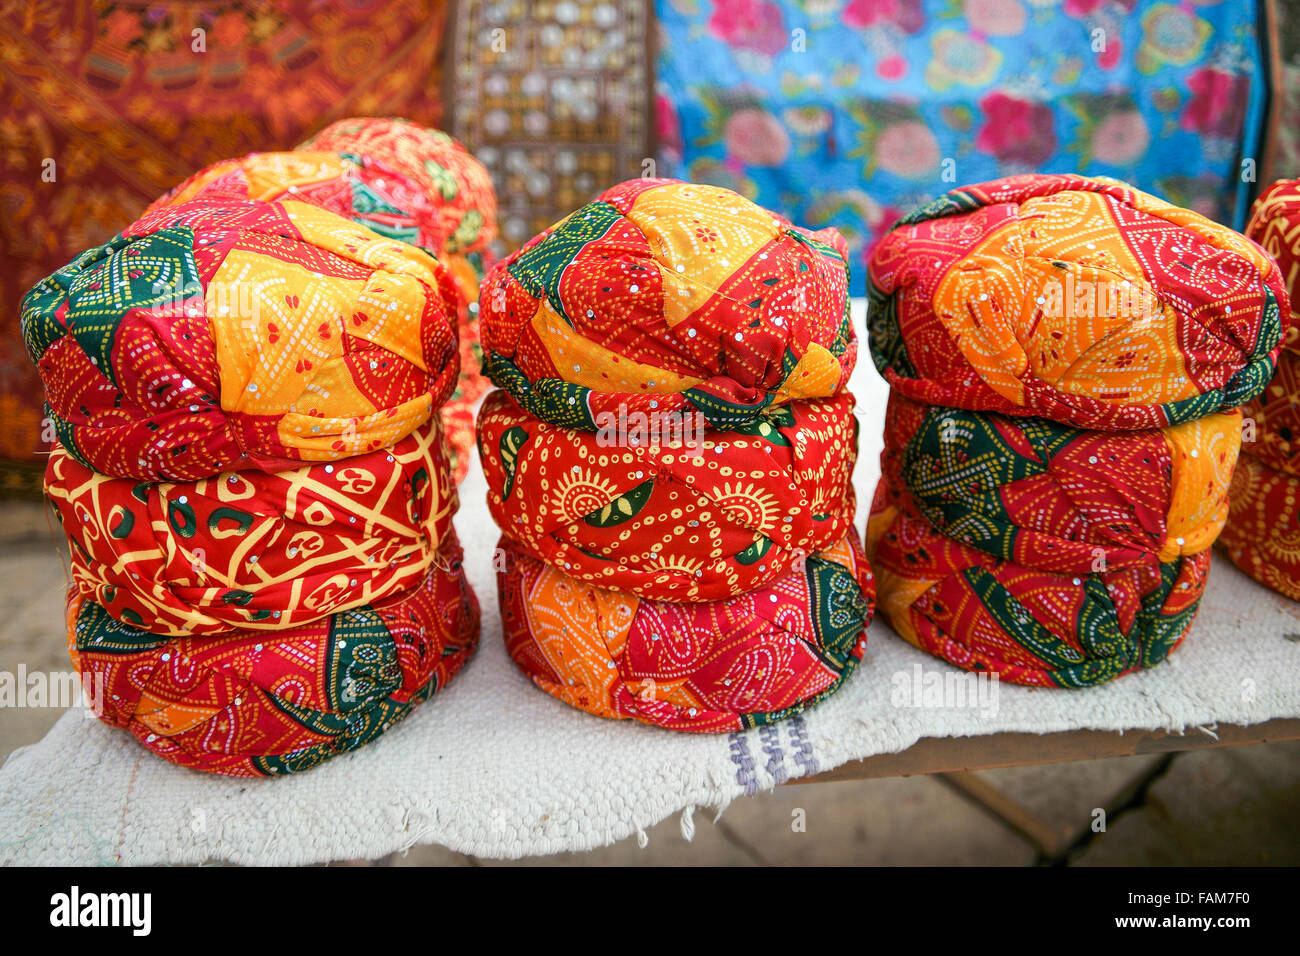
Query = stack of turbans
x=250 y=469
x=1262 y=536
x=1065 y=356
x=669 y=459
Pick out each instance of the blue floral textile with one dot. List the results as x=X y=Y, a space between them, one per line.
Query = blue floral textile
x=850 y=113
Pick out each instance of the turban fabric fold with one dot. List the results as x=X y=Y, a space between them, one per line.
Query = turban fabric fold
x=252 y=551
x=212 y=336
x=669 y=458
x=1262 y=536
x=1048 y=554
x=256 y=703
x=252 y=468
x=669 y=297
x=692 y=519
x=1076 y=299
x=705 y=666
x=456 y=184
x=1066 y=356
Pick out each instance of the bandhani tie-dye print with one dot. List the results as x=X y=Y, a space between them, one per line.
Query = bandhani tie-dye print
x=698 y=516
x=213 y=336
x=355 y=188
x=246 y=551
x=457 y=184
x=1049 y=555
x=258 y=703
x=669 y=297
x=1262 y=536
x=710 y=666
x=1080 y=300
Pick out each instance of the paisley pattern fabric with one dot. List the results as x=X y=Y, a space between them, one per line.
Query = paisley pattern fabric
x=707 y=666
x=249 y=551
x=356 y=188
x=1262 y=536
x=255 y=703
x=1048 y=554
x=1027 y=625
x=669 y=297
x=1080 y=300
x=212 y=336
x=457 y=184
x=691 y=517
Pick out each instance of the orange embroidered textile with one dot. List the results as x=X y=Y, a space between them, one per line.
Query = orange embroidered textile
x=1273 y=221
x=256 y=703
x=215 y=336
x=697 y=515
x=252 y=551
x=710 y=666
x=669 y=297
x=1080 y=300
x=458 y=185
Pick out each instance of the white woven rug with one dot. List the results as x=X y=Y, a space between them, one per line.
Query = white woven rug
x=496 y=768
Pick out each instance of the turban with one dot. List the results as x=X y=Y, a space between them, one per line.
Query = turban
x=256 y=703
x=1075 y=299
x=456 y=183
x=357 y=188
x=693 y=515
x=1262 y=536
x=251 y=551
x=1051 y=555
x=670 y=297
x=213 y=336
x=710 y=666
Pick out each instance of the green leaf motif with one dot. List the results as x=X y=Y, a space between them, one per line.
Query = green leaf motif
x=622 y=508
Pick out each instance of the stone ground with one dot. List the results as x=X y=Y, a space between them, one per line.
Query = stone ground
x=1230 y=806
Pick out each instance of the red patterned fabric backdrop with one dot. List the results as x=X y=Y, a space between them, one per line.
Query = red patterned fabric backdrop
x=104 y=106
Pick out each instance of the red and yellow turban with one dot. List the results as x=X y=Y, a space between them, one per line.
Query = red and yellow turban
x=356 y=188
x=1075 y=299
x=668 y=297
x=212 y=336
x=457 y=184
x=255 y=551
x=710 y=666
x=673 y=516
x=254 y=703
x=1047 y=554
x=1262 y=536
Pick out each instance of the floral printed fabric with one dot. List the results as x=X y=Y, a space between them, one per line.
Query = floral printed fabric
x=212 y=335
x=669 y=297
x=255 y=703
x=1080 y=300
x=848 y=114
x=1262 y=536
x=701 y=519
x=670 y=458
x=709 y=666
x=252 y=551
x=1050 y=555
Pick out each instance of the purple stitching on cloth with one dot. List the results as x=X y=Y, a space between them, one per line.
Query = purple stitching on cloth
x=744 y=761
x=771 y=737
x=802 y=745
